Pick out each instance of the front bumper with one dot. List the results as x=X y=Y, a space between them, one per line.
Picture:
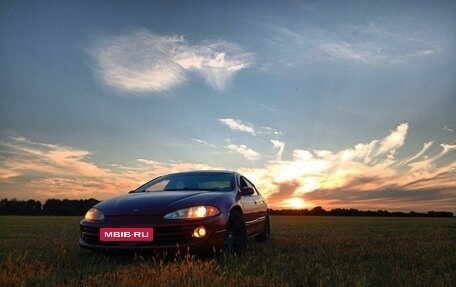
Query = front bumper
x=168 y=234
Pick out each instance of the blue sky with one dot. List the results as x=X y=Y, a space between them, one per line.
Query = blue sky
x=318 y=102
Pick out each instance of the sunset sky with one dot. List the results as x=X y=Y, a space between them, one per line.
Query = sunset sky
x=319 y=103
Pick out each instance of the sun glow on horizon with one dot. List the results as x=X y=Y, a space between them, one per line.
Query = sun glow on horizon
x=293 y=203
x=366 y=173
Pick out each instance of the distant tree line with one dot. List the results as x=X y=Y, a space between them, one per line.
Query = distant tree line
x=319 y=211
x=50 y=207
x=80 y=207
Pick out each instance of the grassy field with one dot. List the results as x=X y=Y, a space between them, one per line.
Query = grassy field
x=304 y=251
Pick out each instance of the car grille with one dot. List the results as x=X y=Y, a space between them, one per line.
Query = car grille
x=163 y=236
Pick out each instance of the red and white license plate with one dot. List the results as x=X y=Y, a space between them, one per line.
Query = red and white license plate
x=127 y=234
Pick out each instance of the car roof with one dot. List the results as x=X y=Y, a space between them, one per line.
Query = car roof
x=203 y=171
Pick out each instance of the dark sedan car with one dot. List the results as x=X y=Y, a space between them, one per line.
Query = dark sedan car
x=199 y=210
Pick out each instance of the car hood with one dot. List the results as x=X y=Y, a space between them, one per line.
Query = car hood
x=157 y=203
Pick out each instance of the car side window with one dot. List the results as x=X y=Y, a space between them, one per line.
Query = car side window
x=159 y=186
x=246 y=183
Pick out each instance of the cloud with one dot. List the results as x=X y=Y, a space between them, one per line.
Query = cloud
x=237 y=125
x=246 y=152
x=368 y=171
x=6 y=174
x=394 y=140
x=48 y=158
x=372 y=44
x=216 y=62
x=204 y=142
x=368 y=52
x=41 y=171
x=394 y=198
x=271 y=131
x=361 y=53
x=145 y=62
x=367 y=175
x=161 y=168
x=426 y=146
x=50 y=170
x=280 y=146
x=376 y=44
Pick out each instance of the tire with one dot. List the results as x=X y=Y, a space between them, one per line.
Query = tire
x=266 y=234
x=236 y=234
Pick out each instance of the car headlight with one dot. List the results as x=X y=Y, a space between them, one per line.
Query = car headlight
x=193 y=212
x=94 y=215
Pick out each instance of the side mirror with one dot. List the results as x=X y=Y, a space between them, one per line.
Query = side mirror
x=247 y=191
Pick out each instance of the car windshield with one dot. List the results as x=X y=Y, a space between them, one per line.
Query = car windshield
x=207 y=181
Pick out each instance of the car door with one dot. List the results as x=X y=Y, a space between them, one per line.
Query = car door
x=255 y=215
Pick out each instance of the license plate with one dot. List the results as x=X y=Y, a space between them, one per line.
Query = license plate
x=127 y=234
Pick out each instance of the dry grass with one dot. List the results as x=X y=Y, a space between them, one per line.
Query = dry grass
x=304 y=251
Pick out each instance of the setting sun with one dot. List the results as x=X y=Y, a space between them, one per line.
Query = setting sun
x=294 y=202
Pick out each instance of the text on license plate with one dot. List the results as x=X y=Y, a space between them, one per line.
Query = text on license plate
x=127 y=234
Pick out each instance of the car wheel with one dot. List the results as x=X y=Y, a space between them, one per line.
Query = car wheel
x=236 y=234
x=266 y=234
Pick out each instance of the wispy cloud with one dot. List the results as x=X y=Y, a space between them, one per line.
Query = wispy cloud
x=448 y=129
x=368 y=52
x=362 y=176
x=238 y=125
x=216 y=62
x=204 y=142
x=369 y=175
x=368 y=44
x=48 y=158
x=243 y=150
x=280 y=146
x=51 y=171
x=426 y=146
x=145 y=62
x=394 y=140
x=160 y=168
x=6 y=173
x=356 y=52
